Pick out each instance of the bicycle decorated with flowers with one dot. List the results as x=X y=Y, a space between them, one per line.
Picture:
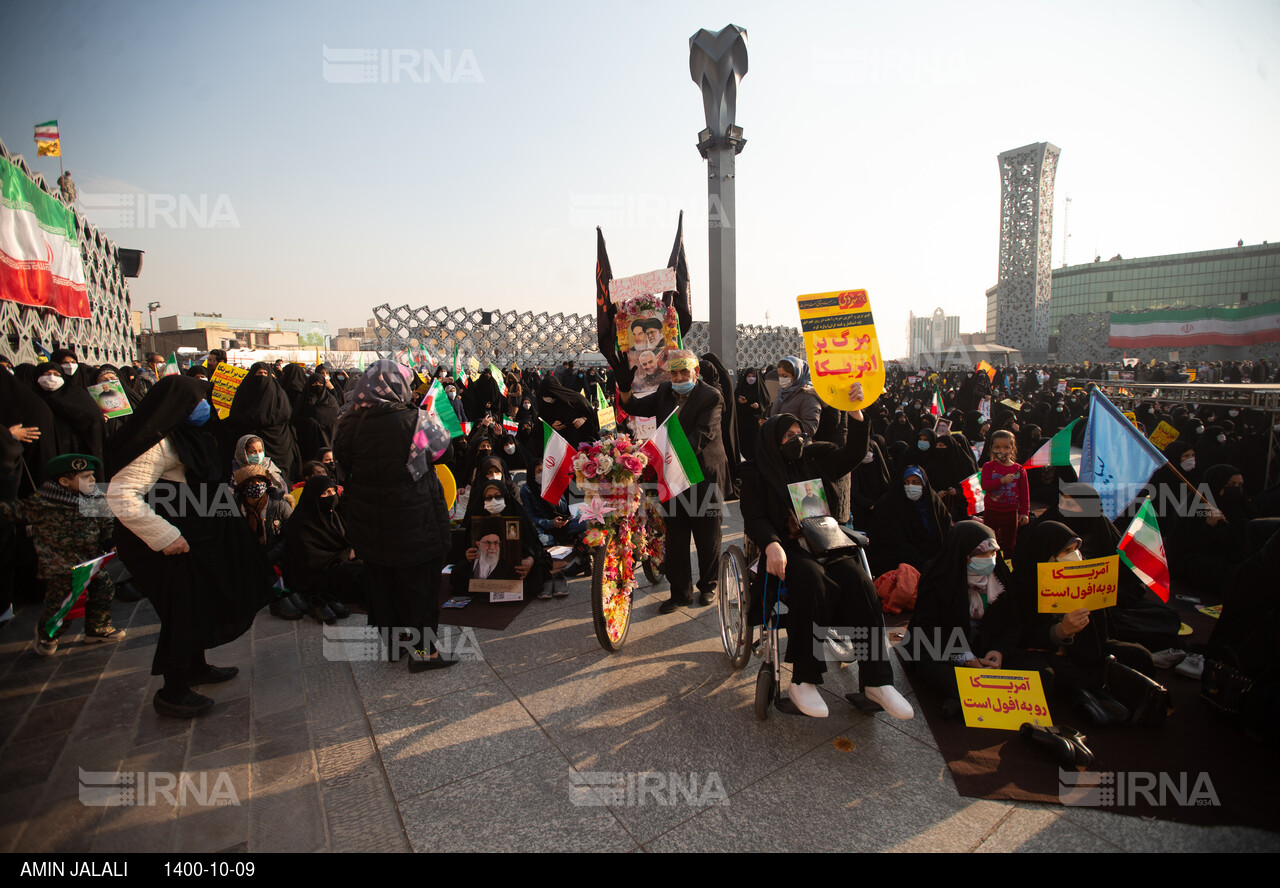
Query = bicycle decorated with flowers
x=624 y=531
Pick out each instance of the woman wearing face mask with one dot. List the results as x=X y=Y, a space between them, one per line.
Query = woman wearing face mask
x=250 y=451
x=965 y=616
x=315 y=414
x=837 y=593
x=1075 y=645
x=567 y=412
x=261 y=407
x=1211 y=540
x=199 y=565
x=868 y=482
x=318 y=563
x=393 y=506
x=78 y=424
x=908 y=525
x=753 y=405
x=266 y=516
x=796 y=395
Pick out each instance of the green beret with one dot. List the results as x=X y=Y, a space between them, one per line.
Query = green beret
x=68 y=463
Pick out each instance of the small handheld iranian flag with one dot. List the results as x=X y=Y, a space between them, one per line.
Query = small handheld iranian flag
x=936 y=406
x=437 y=403
x=500 y=378
x=171 y=365
x=1054 y=452
x=557 y=459
x=1143 y=550
x=81 y=576
x=971 y=489
x=672 y=456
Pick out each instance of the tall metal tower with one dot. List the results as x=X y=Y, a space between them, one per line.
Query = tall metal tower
x=1026 y=240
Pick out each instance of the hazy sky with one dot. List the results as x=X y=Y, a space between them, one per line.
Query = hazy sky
x=872 y=133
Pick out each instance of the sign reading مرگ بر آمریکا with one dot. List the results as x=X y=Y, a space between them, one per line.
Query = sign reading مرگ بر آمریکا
x=1065 y=586
x=1001 y=698
x=841 y=344
x=226 y=379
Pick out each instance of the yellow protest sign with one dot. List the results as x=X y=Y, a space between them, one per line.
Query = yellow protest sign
x=1001 y=698
x=1065 y=586
x=607 y=418
x=1164 y=435
x=841 y=344
x=226 y=379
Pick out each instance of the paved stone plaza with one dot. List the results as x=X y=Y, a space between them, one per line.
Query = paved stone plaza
x=491 y=755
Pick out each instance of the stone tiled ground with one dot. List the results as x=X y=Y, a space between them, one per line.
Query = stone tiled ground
x=497 y=754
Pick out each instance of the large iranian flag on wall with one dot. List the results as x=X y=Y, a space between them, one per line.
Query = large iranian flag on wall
x=40 y=261
x=1247 y=325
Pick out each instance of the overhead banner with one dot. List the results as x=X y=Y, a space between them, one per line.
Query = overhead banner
x=842 y=347
x=1065 y=586
x=1249 y=325
x=40 y=261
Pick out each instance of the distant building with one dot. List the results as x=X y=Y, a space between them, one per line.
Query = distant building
x=1026 y=230
x=308 y=332
x=930 y=337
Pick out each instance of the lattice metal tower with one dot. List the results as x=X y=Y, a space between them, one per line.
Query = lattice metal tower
x=1026 y=240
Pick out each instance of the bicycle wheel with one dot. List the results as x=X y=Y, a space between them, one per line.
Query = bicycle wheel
x=652 y=572
x=611 y=615
x=765 y=691
x=735 y=629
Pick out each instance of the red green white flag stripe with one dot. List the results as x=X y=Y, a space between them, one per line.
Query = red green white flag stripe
x=500 y=378
x=437 y=403
x=1184 y=328
x=971 y=489
x=40 y=261
x=1054 y=452
x=935 y=405
x=672 y=456
x=557 y=462
x=1143 y=550
x=171 y=365
x=47 y=131
x=81 y=576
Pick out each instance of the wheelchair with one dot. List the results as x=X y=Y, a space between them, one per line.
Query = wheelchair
x=750 y=598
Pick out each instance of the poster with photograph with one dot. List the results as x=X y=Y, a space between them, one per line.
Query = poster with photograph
x=111 y=398
x=497 y=542
x=809 y=499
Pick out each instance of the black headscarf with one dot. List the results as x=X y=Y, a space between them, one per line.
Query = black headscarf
x=77 y=418
x=20 y=406
x=163 y=414
x=314 y=538
x=566 y=406
x=1038 y=545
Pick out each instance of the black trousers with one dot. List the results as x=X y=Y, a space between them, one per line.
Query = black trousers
x=405 y=597
x=706 y=535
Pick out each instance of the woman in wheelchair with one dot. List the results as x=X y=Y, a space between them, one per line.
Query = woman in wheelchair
x=818 y=595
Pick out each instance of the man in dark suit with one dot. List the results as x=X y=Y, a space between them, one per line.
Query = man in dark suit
x=696 y=512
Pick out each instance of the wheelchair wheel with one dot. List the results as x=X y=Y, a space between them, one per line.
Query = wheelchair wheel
x=611 y=616
x=652 y=572
x=765 y=691
x=735 y=628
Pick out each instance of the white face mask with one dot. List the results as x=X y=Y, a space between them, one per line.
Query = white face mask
x=69 y=368
x=494 y=507
x=784 y=382
x=913 y=491
x=50 y=383
x=1188 y=464
x=1071 y=556
x=510 y=448
x=751 y=380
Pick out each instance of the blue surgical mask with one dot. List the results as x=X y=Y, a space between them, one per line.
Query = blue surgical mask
x=254 y=459
x=683 y=388
x=200 y=415
x=982 y=565
x=922 y=445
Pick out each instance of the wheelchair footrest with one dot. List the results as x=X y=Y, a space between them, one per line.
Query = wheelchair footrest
x=861 y=702
x=784 y=705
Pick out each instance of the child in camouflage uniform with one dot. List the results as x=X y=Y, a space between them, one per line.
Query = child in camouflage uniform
x=71 y=524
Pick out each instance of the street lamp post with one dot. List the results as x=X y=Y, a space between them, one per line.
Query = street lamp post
x=717 y=63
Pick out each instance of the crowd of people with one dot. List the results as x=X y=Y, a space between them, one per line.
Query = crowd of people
x=319 y=492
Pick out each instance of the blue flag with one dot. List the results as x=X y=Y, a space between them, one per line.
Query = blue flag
x=1117 y=459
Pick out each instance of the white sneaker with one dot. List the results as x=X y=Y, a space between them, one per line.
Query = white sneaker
x=559 y=586
x=808 y=699
x=1169 y=658
x=1192 y=667
x=890 y=701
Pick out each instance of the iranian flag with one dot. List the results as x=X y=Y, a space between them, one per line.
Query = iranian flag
x=935 y=405
x=1143 y=550
x=510 y=425
x=557 y=460
x=1248 y=325
x=971 y=489
x=500 y=378
x=171 y=365
x=40 y=261
x=672 y=456
x=81 y=576
x=1054 y=452
x=436 y=402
